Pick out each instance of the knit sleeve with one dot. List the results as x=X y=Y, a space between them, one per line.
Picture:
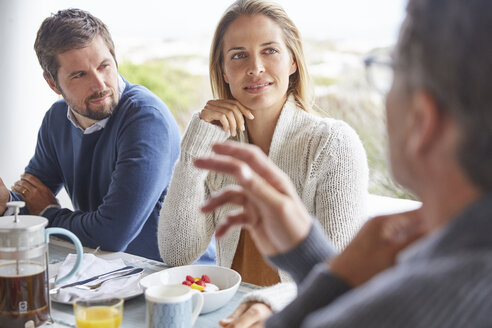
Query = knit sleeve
x=340 y=176
x=184 y=232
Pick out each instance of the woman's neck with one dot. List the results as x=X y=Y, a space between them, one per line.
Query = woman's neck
x=262 y=127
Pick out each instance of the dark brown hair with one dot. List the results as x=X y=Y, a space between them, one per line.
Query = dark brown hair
x=66 y=30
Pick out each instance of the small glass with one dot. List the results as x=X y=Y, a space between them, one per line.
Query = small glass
x=106 y=313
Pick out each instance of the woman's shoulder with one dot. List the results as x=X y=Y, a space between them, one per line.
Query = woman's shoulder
x=327 y=129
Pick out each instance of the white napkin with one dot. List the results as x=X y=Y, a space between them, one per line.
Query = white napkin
x=91 y=266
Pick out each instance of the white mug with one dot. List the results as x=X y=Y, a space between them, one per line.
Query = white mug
x=172 y=306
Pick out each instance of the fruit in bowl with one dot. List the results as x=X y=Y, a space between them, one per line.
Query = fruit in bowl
x=227 y=280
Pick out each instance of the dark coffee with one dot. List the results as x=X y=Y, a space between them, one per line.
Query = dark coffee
x=23 y=297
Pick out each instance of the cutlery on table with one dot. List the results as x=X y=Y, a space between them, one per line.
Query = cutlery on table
x=96 y=277
x=98 y=284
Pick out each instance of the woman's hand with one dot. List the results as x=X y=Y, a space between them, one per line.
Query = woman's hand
x=227 y=113
x=250 y=314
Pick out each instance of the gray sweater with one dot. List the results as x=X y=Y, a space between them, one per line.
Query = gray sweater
x=444 y=280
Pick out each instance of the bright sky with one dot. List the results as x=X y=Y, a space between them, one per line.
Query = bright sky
x=375 y=21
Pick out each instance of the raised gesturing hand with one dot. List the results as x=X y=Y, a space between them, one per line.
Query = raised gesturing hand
x=272 y=211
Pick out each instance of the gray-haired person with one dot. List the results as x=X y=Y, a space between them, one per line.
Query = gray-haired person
x=427 y=268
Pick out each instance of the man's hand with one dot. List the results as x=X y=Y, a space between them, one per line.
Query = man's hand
x=36 y=195
x=4 y=197
x=250 y=314
x=376 y=246
x=272 y=211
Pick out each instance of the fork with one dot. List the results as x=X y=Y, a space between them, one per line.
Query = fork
x=94 y=287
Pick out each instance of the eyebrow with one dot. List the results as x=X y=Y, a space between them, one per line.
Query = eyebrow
x=262 y=45
x=105 y=60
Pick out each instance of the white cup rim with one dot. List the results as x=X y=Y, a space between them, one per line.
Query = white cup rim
x=154 y=293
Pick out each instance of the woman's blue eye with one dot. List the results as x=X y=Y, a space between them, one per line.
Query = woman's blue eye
x=238 y=56
x=271 y=51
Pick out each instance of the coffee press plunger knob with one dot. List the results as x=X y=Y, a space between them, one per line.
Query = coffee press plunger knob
x=16 y=206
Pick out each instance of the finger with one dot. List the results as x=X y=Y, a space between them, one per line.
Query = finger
x=211 y=116
x=231 y=194
x=243 y=109
x=255 y=314
x=230 y=107
x=231 y=220
x=256 y=188
x=259 y=162
x=226 y=165
x=239 y=310
x=225 y=113
x=32 y=180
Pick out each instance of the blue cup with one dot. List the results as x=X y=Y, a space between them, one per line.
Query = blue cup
x=172 y=306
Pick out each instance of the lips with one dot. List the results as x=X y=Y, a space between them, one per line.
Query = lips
x=258 y=85
x=100 y=97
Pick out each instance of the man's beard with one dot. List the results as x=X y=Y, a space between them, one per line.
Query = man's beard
x=100 y=113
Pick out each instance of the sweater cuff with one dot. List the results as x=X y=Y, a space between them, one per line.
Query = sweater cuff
x=319 y=289
x=299 y=261
x=200 y=136
x=276 y=296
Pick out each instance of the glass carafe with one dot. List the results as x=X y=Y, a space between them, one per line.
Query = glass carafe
x=24 y=287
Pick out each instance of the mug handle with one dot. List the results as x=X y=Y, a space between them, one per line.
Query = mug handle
x=78 y=247
x=197 y=299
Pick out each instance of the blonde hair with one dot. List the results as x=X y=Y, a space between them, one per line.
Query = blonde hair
x=299 y=82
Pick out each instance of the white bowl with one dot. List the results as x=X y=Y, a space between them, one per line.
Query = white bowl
x=226 y=279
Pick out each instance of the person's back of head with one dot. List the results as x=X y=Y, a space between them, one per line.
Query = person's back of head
x=66 y=30
x=445 y=48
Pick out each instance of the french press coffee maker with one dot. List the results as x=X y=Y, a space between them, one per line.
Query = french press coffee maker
x=24 y=287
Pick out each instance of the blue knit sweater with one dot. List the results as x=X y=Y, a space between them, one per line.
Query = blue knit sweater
x=116 y=177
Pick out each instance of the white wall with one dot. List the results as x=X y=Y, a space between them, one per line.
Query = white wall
x=24 y=95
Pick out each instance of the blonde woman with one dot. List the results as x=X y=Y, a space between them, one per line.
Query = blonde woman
x=258 y=75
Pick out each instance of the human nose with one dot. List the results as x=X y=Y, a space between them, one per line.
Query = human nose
x=256 y=66
x=97 y=82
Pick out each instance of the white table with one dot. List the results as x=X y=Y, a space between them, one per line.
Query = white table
x=134 y=309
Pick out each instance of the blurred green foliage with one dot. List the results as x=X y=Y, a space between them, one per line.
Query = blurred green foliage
x=181 y=91
x=348 y=99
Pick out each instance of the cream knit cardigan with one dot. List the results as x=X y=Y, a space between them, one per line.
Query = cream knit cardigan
x=323 y=157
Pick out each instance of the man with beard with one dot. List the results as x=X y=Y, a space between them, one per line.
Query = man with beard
x=112 y=145
x=427 y=268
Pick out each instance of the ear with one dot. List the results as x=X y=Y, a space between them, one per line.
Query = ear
x=225 y=78
x=293 y=67
x=51 y=83
x=425 y=123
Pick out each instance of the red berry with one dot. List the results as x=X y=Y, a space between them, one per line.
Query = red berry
x=187 y=283
x=190 y=279
x=206 y=278
x=200 y=283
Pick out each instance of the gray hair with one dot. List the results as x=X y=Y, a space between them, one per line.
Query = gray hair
x=444 y=47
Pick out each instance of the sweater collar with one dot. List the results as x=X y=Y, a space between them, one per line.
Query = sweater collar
x=290 y=116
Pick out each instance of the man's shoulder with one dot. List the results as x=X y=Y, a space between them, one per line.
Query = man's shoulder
x=139 y=97
x=57 y=112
